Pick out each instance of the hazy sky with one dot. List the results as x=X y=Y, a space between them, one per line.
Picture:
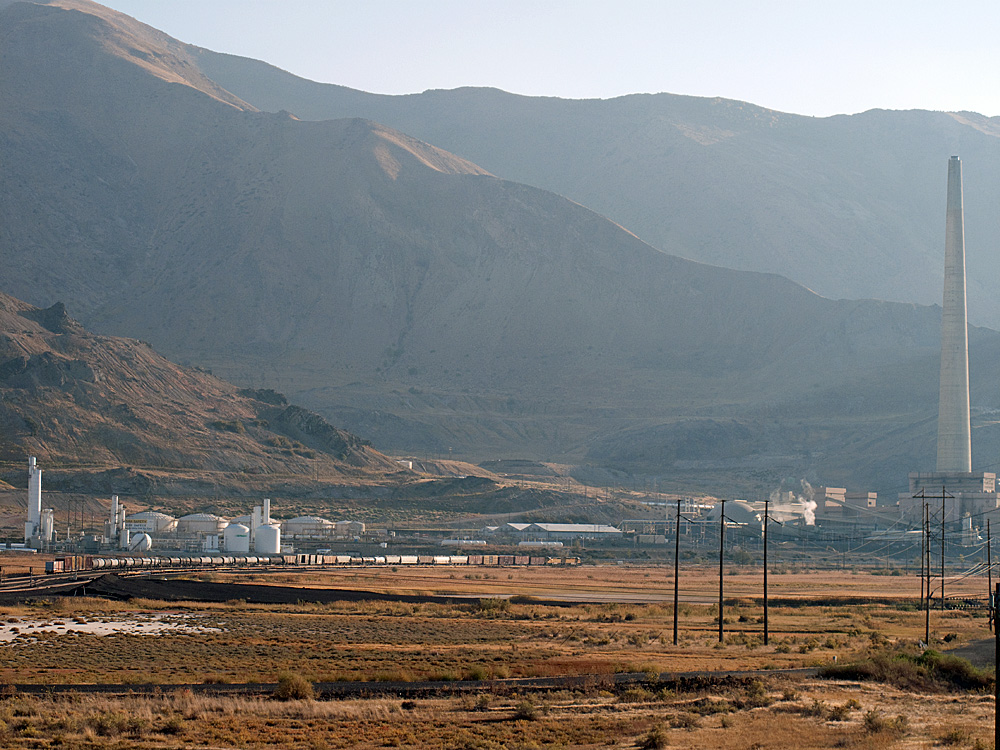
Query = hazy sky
x=814 y=57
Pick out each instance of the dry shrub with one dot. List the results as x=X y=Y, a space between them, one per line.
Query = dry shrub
x=928 y=671
x=655 y=739
x=954 y=736
x=173 y=726
x=525 y=711
x=875 y=723
x=477 y=672
x=293 y=686
x=839 y=713
x=817 y=708
x=636 y=694
x=492 y=607
x=708 y=706
x=685 y=720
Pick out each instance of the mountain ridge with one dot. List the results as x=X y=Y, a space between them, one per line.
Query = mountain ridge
x=71 y=397
x=848 y=205
x=413 y=297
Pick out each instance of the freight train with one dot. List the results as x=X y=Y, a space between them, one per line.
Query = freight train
x=69 y=564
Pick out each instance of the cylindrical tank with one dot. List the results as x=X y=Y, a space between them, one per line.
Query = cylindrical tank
x=151 y=522
x=308 y=526
x=236 y=538
x=200 y=523
x=268 y=539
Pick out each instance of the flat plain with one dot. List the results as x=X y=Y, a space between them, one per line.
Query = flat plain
x=614 y=619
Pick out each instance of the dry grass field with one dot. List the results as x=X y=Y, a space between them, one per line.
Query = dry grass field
x=623 y=623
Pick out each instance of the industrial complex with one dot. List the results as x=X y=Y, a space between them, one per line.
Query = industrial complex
x=963 y=500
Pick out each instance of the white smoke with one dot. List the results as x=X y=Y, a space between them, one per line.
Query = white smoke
x=791 y=504
x=808 y=504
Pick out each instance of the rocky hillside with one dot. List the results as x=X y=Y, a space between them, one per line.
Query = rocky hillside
x=850 y=206
x=73 y=398
x=416 y=299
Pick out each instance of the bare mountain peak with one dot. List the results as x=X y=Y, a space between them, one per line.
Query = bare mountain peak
x=119 y=35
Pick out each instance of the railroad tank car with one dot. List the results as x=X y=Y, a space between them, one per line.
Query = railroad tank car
x=71 y=563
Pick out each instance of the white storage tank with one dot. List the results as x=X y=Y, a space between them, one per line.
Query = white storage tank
x=200 y=523
x=150 y=522
x=268 y=539
x=140 y=543
x=308 y=526
x=236 y=538
x=350 y=528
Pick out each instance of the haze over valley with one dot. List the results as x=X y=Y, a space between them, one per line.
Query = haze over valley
x=680 y=288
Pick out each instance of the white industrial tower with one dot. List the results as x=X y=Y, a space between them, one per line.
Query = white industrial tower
x=39 y=527
x=32 y=526
x=954 y=445
x=966 y=493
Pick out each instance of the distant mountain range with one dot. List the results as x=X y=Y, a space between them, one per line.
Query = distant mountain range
x=849 y=206
x=429 y=306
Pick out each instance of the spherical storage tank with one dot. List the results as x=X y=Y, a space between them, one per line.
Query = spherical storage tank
x=267 y=540
x=140 y=543
x=236 y=538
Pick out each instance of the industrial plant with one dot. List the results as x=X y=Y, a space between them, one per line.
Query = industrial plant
x=833 y=516
x=193 y=533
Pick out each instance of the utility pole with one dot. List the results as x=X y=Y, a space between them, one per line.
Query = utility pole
x=927 y=602
x=943 y=496
x=767 y=501
x=767 y=518
x=923 y=549
x=989 y=566
x=677 y=557
x=996 y=668
x=722 y=540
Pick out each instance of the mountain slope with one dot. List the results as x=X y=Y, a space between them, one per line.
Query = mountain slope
x=850 y=206
x=421 y=302
x=69 y=396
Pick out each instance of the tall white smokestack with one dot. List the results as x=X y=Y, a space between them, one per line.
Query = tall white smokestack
x=34 y=520
x=954 y=429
